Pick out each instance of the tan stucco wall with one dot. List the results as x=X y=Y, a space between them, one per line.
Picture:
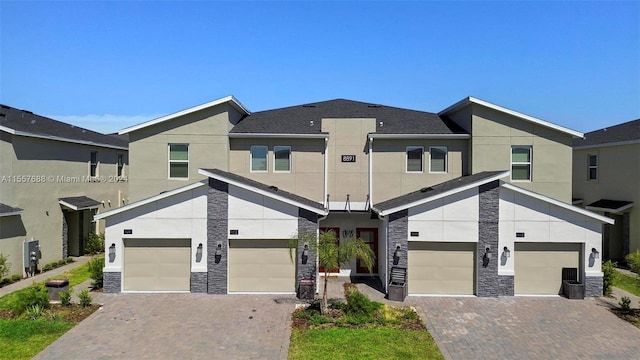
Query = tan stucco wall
x=390 y=178
x=618 y=179
x=55 y=169
x=206 y=133
x=307 y=165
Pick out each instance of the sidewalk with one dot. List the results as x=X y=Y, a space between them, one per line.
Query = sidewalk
x=617 y=294
x=43 y=276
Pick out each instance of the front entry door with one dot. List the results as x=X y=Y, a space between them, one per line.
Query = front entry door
x=370 y=237
x=336 y=231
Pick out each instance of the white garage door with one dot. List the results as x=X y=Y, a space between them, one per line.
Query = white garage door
x=157 y=265
x=538 y=266
x=441 y=268
x=260 y=266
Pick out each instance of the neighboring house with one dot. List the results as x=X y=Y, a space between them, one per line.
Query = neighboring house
x=434 y=195
x=606 y=173
x=53 y=178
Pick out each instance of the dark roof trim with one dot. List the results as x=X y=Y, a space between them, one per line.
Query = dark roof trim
x=613 y=206
x=79 y=203
x=279 y=136
x=6 y=210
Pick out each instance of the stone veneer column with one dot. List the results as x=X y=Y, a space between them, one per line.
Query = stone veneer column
x=593 y=286
x=112 y=282
x=65 y=237
x=217 y=230
x=307 y=223
x=398 y=234
x=199 y=282
x=488 y=284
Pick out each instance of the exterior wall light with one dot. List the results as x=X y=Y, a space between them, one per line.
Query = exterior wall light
x=219 y=250
x=218 y=253
x=199 y=253
x=396 y=255
x=595 y=253
x=112 y=252
x=506 y=252
x=304 y=257
x=487 y=253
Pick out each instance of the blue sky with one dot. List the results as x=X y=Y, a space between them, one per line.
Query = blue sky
x=109 y=65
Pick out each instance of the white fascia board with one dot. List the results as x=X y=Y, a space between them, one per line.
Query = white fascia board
x=615 y=211
x=280 y=136
x=149 y=200
x=232 y=100
x=619 y=143
x=559 y=203
x=262 y=192
x=442 y=195
x=75 y=208
x=471 y=100
x=419 y=136
x=12 y=213
x=59 y=138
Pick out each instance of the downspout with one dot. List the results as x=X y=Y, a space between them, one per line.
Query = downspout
x=326 y=176
x=370 y=172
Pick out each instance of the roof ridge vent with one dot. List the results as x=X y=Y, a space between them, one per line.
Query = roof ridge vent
x=425 y=189
x=5 y=106
x=308 y=105
x=374 y=105
x=273 y=188
x=27 y=111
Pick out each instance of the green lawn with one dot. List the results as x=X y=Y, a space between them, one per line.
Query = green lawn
x=23 y=339
x=627 y=283
x=345 y=343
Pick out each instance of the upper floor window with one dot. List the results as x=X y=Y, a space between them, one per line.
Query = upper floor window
x=414 y=158
x=521 y=163
x=93 y=164
x=259 y=158
x=178 y=161
x=120 y=164
x=593 y=167
x=438 y=159
x=282 y=158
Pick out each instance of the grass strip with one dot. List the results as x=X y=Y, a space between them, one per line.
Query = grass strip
x=627 y=283
x=23 y=339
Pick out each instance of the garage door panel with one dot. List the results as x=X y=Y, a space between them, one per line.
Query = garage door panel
x=441 y=268
x=538 y=266
x=260 y=266
x=157 y=265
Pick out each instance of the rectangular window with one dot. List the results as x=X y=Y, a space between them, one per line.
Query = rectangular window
x=120 y=164
x=259 y=158
x=414 y=158
x=438 y=159
x=178 y=161
x=593 y=167
x=93 y=167
x=282 y=158
x=521 y=163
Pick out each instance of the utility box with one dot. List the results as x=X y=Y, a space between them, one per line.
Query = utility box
x=307 y=289
x=54 y=287
x=398 y=285
x=32 y=256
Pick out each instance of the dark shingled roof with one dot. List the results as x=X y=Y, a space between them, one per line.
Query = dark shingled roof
x=6 y=209
x=296 y=119
x=431 y=191
x=609 y=204
x=271 y=189
x=81 y=202
x=28 y=122
x=628 y=131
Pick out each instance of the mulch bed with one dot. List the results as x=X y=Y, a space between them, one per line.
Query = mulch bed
x=74 y=313
x=632 y=316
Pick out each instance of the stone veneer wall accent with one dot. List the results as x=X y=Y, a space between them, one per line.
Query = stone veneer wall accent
x=506 y=285
x=112 y=282
x=307 y=223
x=398 y=234
x=199 y=282
x=217 y=230
x=488 y=284
x=593 y=286
x=626 y=233
x=65 y=237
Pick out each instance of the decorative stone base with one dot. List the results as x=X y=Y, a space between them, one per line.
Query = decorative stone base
x=506 y=285
x=199 y=282
x=112 y=281
x=593 y=286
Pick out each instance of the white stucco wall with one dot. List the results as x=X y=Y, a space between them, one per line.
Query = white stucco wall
x=544 y=222
x=453 y=218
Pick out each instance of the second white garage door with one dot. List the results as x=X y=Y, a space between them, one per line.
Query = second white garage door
x=538 y=266
x=441 y=268
x=157 y=265
x=261 y=266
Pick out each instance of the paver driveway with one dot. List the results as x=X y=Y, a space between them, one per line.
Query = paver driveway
x=527 y=328
x=180 y=326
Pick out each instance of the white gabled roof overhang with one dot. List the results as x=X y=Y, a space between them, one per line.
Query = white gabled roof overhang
x=442 y=194
x=262 y=192
x=60 y=138
x=230 y=99
x=559 y=203
x=471 y=100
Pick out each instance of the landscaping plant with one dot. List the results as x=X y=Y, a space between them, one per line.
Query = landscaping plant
x=5 y=266
x=65 y=297
x=94 y=244
x=609 y=270
x=95 y=270
x=625 y=304
x=36 y=295
x=633 y=259
x=85 y=298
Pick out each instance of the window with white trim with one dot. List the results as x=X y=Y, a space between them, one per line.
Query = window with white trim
x=178 y=161
x=438 y=159
x=282 y=158
x=120 y=165
x=259 y=158
x=93 y=164
x=414 y=158
x=521 y=163
x=593 y=167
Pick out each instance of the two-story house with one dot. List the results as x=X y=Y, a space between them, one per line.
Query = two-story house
x=473 y=200
x=606 y=169
x=53 y=178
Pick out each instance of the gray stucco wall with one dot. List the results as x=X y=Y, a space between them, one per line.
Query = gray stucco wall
x=307 y=223
x=112 y=282
x=398 y=234
x=593 y=286
x=217 y=230
x=487 y=269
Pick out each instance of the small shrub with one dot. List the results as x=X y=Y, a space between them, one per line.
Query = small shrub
x=633 y=259
x=31 y=296
x=625 y=304
x=61 y=262
x=609 y=270
x=337 y=305
x=5 y=266
x=359 y=303
x=94 y=244
x=95 y=271
x=16 y=278
x=69 y=260
x=51 y=316
x=47 y=267
x=33 y=312
x=85 y=298
x=65 y=297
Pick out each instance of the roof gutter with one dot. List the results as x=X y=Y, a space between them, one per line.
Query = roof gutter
x=601 y=145
x=419 y=136
x=280 y=136
x=63 y=139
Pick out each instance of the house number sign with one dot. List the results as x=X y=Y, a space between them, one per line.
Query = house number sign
x=348 y=158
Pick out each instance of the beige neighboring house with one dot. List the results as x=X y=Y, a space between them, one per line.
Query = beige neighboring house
x=606 y=179
x=53 y=178
x=472 y=200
